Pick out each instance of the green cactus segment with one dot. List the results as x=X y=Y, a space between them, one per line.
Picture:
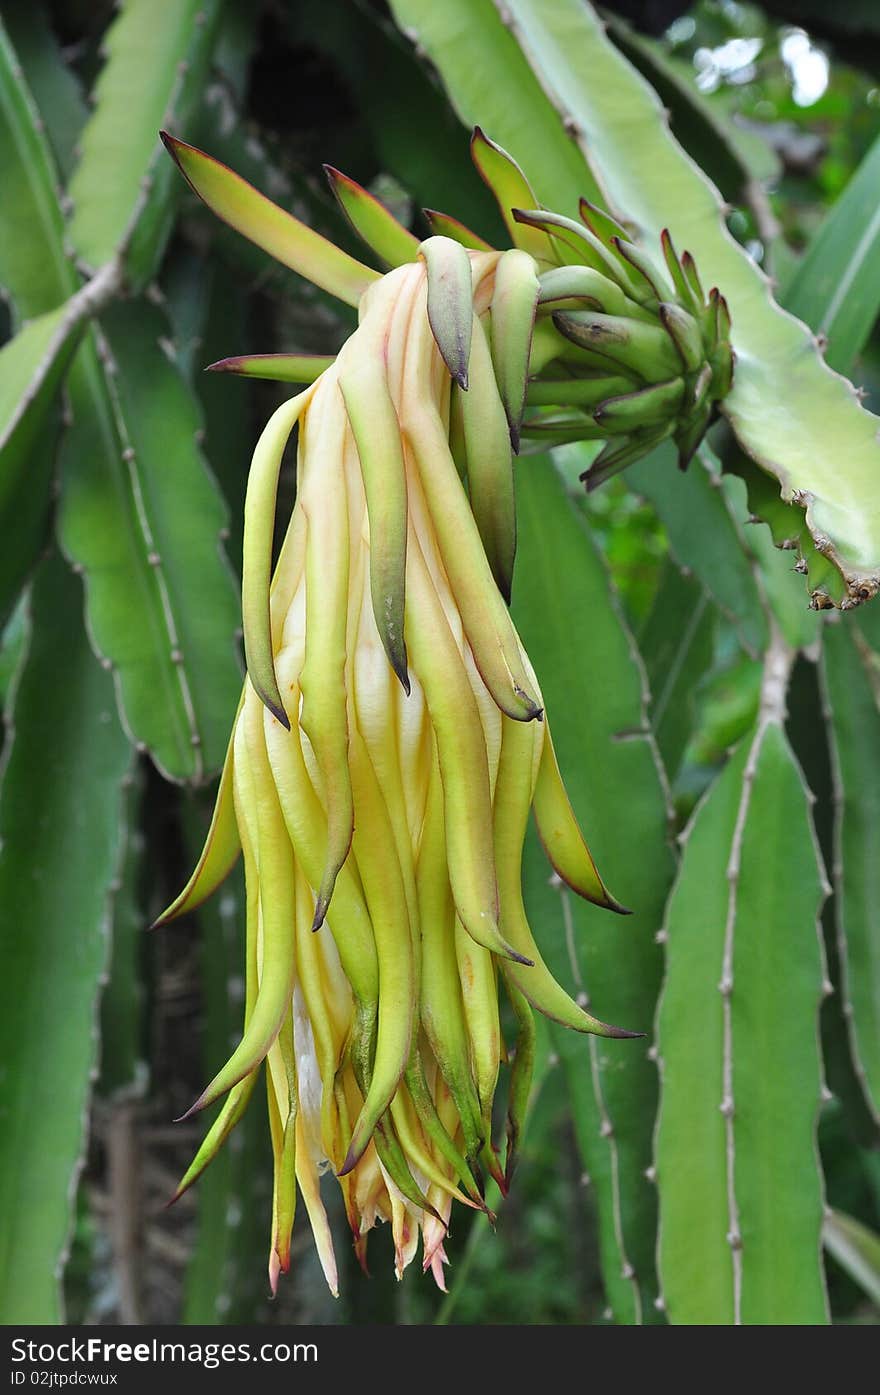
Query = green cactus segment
x=31 y=368
x=38 y=278
x=148 y=540
x=778 y=983
x=66 y=752
x=33 y=267
x=740 y=1224
x=123 y=189
x=851 y=676
x=695 y=1258
x=617 y=795
x=261 y=221
x=372 y=221
x=55 y=86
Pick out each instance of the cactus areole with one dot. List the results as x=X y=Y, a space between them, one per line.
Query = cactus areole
x=391 y=741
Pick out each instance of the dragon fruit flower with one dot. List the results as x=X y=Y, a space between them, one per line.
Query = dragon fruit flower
x=391 y=740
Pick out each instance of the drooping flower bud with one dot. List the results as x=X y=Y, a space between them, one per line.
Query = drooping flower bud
x=391 y=740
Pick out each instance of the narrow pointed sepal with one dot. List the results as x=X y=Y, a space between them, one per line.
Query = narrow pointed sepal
x=372 y=221
x=274 y=856
x=602 y=224
x=513 y=794
x=450 y=302
x=434 y=1129
x=487 y=435
x=684 y=331
x=676 y=273
x=277 y=368
x=650 y=285
x=691 y=434
x=219 y=854
x=511 y=190
x=323 y=714
x=561 y=834
x=444 y=225
x=234 y=1107
x=283 y=1102
x=648 y=406
x=582 y=283
x=259 y=528
x=514 y=304
x=647 y=350
x=586 y=393
x=376 y=431
x=521 y=1075
x=689 y=267
x=577 y=245
x=621 y=452
x=261 y=221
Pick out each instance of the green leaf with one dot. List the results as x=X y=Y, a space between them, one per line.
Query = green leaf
x=856 y=1249
x=573 y=631
x=142 y=516
x=836 y=288
x=741 y=1202
x=32 y=366
x=53 y=82
x=33 y=267
x=851 y=680
x=676 y=643
x=61 y=811
x=158 y=52
x=794 y=416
